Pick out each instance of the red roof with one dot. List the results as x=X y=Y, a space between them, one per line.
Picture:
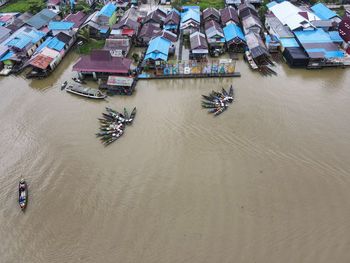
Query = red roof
x=41 y=61
x=101 y=61
x=344 y=29
x=128 y=32
x=78 y=18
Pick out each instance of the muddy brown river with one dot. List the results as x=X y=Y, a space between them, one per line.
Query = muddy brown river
x=266 y=181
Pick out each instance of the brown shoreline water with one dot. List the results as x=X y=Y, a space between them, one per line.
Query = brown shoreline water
x=267 y=181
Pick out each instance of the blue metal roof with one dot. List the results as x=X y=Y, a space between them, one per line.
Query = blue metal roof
x=56 y=44
x=25 y=35
x=8 y=55
x=156 y=56
x=20 y=42
x=271 y=4
x=289 y=42
x=313 y=36
x=318 y=36
x=51 y=42
x=107 y=10
x=169 y=27
x=41 y=19
x=158 y=49
x=231 y=31
x=44 y=44
x=103 y=30
x=323 y=11
x=60 y=25
x=334 y=35
x=190 y=14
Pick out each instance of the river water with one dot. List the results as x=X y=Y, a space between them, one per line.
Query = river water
x=267 y=181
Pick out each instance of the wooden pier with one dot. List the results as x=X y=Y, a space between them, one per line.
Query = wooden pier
x=189 y=76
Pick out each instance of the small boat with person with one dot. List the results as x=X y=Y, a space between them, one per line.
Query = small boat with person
x=85 y=91
x=22 y=194
x=78 y=80
x=63 y=85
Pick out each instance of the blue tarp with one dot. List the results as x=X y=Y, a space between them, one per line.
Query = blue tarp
x=60 y=25
x=323 y=11
x=289 y=42
x=107 y=10
x=158 y=49
x=232 y=31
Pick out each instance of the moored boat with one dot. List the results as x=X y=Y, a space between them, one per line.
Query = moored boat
x=85 y=91
x=22 y=194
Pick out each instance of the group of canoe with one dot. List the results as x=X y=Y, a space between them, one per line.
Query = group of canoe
x=217 y=102
x=112 y=124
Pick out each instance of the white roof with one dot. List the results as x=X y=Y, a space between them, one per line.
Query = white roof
x=289 y=15
x=50 y=52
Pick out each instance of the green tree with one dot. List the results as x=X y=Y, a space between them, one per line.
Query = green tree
x=65 y=10
x=84 y=34
x=99 y=6
x=35 y=6
x=83 y=6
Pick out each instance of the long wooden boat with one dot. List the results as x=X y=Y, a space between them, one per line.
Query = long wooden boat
x=85 y=91
x=251 y=60
x=22 y=194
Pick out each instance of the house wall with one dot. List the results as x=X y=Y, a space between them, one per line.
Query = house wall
x=32 y=49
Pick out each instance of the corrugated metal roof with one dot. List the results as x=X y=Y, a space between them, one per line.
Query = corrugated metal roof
x=41 y=19
x=289 y=15
x=198 y=41
x=56 y=44
x=107 y=10
x=7 y=56
x=41 y=61
x=323 y=11
x=158 y=49
x=54 y=25
x=190 y=14
x=313 y=36
x=232 y=31
x=318 y=43
x=289 y=42
x=334 y=35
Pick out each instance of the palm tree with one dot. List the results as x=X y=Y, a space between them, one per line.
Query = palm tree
x=83 y=6
x=84 y=33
